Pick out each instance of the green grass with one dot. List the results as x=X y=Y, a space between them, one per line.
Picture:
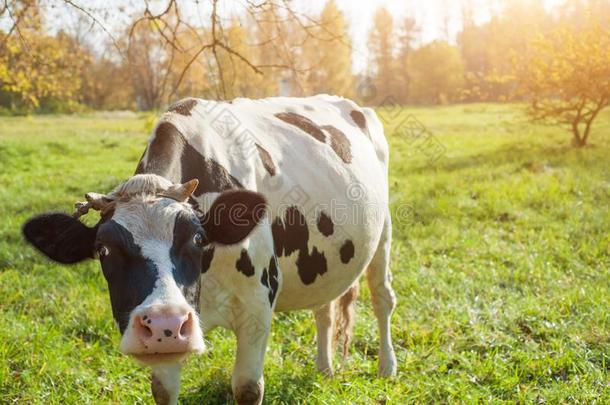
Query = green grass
x=501 y=264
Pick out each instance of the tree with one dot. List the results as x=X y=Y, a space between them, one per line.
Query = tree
x=437 y=73
x=267 y=30
x=487 y=48
x=106 y=85
x=150 y=63
x=38 y=71
x=330 y=54
x=240 y=80
x=158 y=29
x=566 y=76
x=409 y=33
x=382 y=47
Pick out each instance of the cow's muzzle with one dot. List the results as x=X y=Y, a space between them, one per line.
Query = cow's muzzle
x=162 y=333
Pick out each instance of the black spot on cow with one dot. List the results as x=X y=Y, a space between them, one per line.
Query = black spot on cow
x=359 y=119
x=339 y=143
x=270 y=279
x=347 y=251
x=167 y=332
x=265 y=278
x=244 y=265
x=292 y=234
x=273 y=279
x=266 y=159
x=325 y=224
x=206 y=258
x=170 y=156
x=310 y=265
x=186 y=257
x=183 y=107
x=165 y=151
x=304 y=124
x=212 y=176
x=127 y=289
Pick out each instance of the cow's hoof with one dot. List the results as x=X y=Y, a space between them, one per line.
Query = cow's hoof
x=325 y=369
x=387 y=368
x=250 y=393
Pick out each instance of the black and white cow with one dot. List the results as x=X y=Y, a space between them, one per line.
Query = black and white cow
x=239 y=209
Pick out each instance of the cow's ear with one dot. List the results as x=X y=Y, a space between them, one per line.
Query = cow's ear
x=60 y=237
x=233 y=215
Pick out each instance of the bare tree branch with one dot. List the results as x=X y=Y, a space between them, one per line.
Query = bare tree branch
x=97 y=22
x=171 y=27
x=15 y=26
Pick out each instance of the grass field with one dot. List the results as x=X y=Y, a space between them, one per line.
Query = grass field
x=501 y=263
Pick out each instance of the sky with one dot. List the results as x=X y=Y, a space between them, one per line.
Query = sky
x=428 y=13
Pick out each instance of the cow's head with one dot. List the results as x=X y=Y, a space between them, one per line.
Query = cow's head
x=150 y=244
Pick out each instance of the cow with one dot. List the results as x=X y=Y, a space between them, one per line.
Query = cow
x=238 y=210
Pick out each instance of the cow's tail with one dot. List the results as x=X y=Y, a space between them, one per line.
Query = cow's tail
x=345 y=317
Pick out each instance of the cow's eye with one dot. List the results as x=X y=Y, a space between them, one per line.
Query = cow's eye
x=102 y=251
x=198 y=239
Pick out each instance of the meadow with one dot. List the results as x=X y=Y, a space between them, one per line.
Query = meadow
x=501 y=264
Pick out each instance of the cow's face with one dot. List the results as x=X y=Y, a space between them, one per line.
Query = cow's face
x=150 y=244
x=150 y=252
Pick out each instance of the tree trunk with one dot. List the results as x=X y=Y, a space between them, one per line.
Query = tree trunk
x=585 y=136
x=577 y=141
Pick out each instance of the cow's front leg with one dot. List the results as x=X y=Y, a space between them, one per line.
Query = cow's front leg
x=165 y=383
x=252 y=330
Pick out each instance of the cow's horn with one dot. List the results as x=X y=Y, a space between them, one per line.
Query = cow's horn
x=94 y=200
x=181 y=192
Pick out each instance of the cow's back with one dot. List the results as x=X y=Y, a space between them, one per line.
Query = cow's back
x=321 y=162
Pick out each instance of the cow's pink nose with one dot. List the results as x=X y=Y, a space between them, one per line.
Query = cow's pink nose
x=161 y=332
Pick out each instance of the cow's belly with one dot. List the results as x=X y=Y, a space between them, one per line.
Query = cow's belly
x=327 y=287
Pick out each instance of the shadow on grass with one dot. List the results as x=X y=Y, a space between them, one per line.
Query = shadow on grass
x=290 y=388
x=213 y=390
x=526 y=154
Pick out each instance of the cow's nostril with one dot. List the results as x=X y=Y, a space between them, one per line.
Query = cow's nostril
x=144 y=329
x=187 y=325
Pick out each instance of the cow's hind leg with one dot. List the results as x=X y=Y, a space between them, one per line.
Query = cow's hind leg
x=379 y=280
x=324 y=325
x=335 y=322
x=165 y=383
